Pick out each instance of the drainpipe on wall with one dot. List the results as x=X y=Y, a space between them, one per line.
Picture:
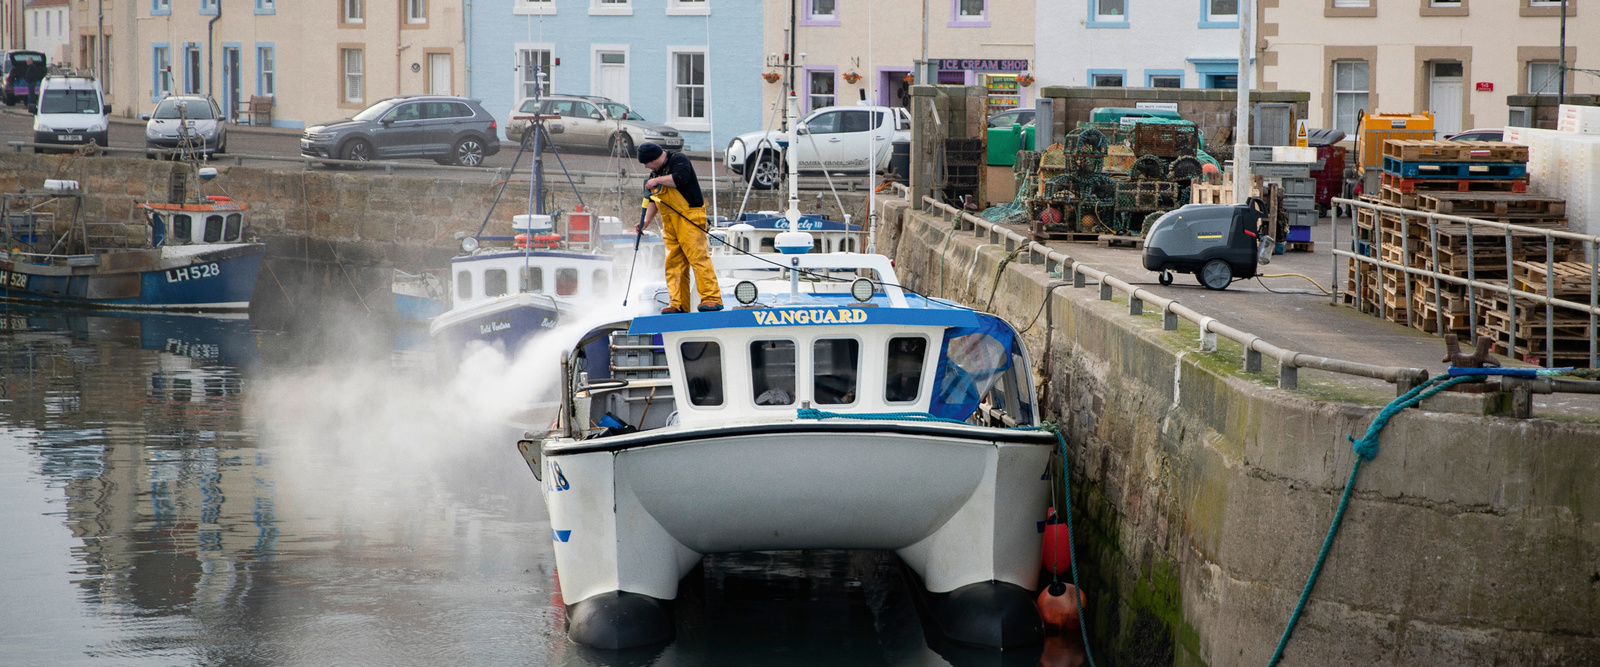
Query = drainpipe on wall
x=210 y=29
x=466 y=31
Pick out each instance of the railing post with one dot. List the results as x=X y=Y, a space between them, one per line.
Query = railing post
x=1208 y=339
x=1135 y=304
x=1078 y=279
x=1288 y=375
x=1169 y=318
x=1252 y=358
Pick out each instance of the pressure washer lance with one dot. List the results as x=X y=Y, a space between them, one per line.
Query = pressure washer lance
x=644 y=206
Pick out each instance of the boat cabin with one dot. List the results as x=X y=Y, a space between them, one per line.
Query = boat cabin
x=194 y=224
x=875 y=352
x=566 y=275
x=758 y=233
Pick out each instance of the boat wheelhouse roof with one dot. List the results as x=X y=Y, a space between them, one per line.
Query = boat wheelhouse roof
x=502 y=254
x=807 y=223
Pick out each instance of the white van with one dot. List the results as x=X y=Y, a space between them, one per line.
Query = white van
x=71 y=112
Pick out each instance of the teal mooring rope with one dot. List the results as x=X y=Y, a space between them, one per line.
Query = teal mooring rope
x=1066 y=483
x=1366 y=448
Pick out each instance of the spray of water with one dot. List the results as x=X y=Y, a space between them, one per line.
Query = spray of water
x=356 y=434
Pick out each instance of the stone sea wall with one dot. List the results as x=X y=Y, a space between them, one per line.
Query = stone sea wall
x=1202 y=494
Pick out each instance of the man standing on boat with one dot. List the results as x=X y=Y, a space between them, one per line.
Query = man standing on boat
x=682 y=209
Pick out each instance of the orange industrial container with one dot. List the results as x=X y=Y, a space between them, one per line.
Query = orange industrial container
x=1379 y=127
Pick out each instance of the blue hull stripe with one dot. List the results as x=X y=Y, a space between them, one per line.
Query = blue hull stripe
x=508 y=329
x=203 y=283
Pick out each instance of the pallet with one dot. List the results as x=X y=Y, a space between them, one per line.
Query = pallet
x=1454 y=151
x=1413 y=186
x=1300 y=246
x=1110 y=241
x=1571 y=278
x=1497 y=204
x=1472 y=170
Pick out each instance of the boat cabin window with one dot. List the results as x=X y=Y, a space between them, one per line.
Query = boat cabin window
x=494 y=283
x=1010 y=395
x=702 y=372
x=602 y=282
x=834 y=366
x=213 y=228
x=904 y=373
x=769 y=244
x=566 y=282
x=234 y=228
x=181 y=228
x=463 y=285
x=533 y=279
x=772 y=372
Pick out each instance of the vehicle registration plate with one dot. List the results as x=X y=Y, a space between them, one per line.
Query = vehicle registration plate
x=69 y=137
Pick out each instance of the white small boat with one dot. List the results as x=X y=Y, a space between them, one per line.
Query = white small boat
x=830 y=410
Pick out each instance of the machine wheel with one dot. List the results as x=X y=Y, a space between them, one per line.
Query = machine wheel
x=764 y=172
x=469 y=152
x=1165 y=277
x=623 y=143
x=1216 y=274
x=359 y=150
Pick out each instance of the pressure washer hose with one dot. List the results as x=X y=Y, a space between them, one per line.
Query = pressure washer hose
x=1296 y=275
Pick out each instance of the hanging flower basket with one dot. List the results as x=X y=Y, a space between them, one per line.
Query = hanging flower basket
x=1024 y=80
x=910 y=79
x=851 y=77
x=771 y=77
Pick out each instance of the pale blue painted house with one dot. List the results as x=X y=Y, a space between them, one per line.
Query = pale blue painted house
x=685 y=63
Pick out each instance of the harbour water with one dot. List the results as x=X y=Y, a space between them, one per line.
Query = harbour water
x=194 y=490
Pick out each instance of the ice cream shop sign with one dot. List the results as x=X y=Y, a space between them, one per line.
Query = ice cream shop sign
x=983 y=65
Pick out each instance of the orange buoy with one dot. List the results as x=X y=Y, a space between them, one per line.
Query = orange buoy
x=1057 y=552
x=219 y=198
x=1058 y=609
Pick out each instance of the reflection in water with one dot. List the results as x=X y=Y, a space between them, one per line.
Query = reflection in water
x=196 y=492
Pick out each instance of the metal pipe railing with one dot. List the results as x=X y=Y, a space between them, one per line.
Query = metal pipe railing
x=1289 y=361
x=1588 y=243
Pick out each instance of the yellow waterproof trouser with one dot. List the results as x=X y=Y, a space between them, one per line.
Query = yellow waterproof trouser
x=685 y=237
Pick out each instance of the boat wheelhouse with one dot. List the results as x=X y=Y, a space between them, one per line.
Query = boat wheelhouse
x=503 y=296
x=850 y=415
x=758 y=233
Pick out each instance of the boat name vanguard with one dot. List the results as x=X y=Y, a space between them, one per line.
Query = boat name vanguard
x=194 y=272
x=830 y=316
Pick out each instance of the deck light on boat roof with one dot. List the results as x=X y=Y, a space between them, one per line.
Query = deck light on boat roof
x=862 y=289
x=746 y=292
x=469 y=244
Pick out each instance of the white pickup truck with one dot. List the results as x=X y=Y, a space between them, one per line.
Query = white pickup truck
x=835 y=139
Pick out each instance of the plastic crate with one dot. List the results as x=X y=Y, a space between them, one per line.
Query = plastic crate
x=1300 y=186
x=1577 y=119
x=1299 y=234
x=1301 y=218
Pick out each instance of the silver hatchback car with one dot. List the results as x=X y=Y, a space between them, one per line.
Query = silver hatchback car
x=592 y=122
x=177 y=118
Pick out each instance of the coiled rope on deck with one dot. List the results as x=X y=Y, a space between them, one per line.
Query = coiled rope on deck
x=1066 y=483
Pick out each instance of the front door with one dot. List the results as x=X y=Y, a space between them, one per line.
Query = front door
x=1444 y=96
x=230 y=81
x=611 y=75
x=439 y=73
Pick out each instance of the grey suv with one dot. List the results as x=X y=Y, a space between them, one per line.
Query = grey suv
x=592 y=122
x=451 y=130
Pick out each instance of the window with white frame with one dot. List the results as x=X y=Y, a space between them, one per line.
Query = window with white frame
x=970 y=10
x=819 y=88
x=622 y=7
x=689 y=86
x=191 y=70
x=354 y=11
x=161 y=6
x=533 y=72
x=266 y=69
x=161 y=60
x=1444 y=3
x=822 y=10
x=354 y=91
x=416 y=11
x=1544 y=77
x=534 y=7
x=1350 y=93
x=1548 y=3
x=1222 y=10
x=689 y=7
x=1363 y=4
x=1110 y=10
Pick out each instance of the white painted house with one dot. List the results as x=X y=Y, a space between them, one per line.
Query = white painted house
x=47 y=30
x=1137 y=43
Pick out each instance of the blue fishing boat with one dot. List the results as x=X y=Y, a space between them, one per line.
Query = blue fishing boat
x=190 y=256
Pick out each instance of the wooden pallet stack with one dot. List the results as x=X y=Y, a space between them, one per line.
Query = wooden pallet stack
x=1569 y=342
x=1481 y=180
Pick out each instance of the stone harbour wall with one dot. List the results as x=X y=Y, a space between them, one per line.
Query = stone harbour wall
x=1202 y=494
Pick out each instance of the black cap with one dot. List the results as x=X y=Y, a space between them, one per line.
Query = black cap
x=648 y=153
